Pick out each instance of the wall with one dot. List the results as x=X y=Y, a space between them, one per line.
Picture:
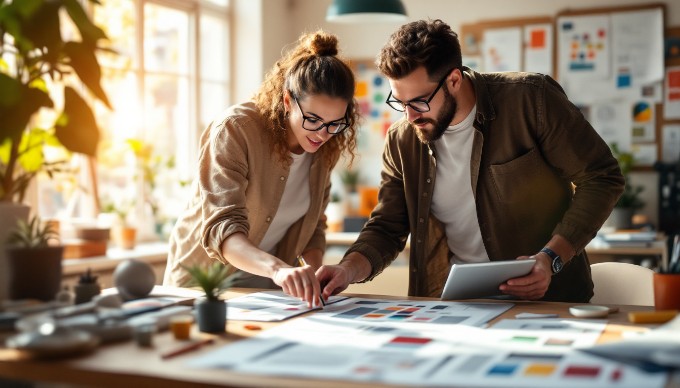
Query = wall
x=282 y=21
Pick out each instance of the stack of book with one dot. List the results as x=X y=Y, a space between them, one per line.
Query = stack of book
x=89 y=242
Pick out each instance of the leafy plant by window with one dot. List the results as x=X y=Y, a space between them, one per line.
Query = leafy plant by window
x=213 y=278
x=631 y=194
x=350 y=179
x=32 y=234
x=34 y=58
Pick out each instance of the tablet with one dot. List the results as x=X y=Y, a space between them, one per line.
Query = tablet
x=480 y=280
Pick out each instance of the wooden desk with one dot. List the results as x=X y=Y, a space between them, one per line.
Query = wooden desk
x=125 y=364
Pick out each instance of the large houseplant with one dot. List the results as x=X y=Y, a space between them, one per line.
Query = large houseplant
x=213 y=279
x=36 y=65
x=34 y=266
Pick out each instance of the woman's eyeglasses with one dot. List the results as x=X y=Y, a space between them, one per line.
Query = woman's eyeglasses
x=315 y=124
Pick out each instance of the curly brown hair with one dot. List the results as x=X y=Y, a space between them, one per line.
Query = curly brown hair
x=429 y=43
x=312 y=67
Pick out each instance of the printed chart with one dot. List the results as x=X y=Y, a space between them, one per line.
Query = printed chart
x=342 y=342
x=269 y=306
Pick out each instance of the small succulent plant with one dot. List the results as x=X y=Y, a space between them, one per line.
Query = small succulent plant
x=212 y=278
x=32 y=234
x=87 y=277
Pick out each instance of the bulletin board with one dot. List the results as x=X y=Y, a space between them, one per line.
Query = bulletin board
x=509 y=45
x=372 y=89
x=597 y=46
x=601 y=49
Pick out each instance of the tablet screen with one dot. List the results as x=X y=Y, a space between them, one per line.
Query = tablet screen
x=481 y=280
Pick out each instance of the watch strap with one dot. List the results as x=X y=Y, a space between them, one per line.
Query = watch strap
x=556 y=263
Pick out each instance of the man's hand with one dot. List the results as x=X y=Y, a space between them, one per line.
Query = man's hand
x=334 y=278
x=534 y=285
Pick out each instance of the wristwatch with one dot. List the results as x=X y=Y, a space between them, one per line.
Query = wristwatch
x=557 y=262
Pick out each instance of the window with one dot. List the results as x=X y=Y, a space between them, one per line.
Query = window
x=169 y=75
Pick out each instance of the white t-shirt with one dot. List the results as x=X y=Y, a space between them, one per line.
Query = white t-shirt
x=453 y=202
x=294 y=202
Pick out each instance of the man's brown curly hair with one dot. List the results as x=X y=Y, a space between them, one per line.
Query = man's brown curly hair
x=429 y=43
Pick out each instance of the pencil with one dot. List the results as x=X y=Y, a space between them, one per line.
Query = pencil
x=302 y=263
x=187 y=348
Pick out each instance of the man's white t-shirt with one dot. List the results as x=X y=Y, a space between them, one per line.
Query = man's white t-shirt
x=294 y=202
x=453 y=202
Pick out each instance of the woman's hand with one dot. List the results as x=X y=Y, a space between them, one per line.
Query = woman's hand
x=300 y=282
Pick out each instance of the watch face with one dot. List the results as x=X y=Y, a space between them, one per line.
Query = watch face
x=557 y=264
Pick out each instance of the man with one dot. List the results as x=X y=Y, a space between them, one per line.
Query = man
x=495 y=166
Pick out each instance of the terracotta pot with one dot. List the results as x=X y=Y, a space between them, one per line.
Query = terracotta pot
x=666 y=291
x=211 y=315
x=34 y=273
x=124 y=236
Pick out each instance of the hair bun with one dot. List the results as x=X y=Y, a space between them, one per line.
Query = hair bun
x=323 y=44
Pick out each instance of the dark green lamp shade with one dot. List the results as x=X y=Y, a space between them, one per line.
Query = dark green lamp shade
x=366 y=11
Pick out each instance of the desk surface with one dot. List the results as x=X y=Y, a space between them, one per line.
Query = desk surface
x=121 y=364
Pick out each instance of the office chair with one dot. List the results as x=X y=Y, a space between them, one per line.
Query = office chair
x=622 y=283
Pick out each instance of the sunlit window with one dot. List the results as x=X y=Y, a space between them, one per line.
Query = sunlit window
x=168 y=76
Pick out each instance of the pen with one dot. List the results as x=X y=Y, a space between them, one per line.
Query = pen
x=187 y=348
x=302 y=263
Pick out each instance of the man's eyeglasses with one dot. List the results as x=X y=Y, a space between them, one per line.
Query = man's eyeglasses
x=418 y=104
x=315 y=124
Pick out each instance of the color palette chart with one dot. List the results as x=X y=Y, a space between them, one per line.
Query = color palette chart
x=361 y=341
x=432 y=312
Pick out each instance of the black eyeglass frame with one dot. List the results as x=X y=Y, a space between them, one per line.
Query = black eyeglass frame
x=400 y=106
x=342 y=125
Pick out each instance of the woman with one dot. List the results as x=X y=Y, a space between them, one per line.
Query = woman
x=264 y=175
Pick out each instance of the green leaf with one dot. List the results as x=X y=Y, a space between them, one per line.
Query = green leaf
x=16 y=115
x=11 y=90
x=88 y=30
x=30 y=149
x=26 y=8
x=80 y=133
x=49 y=34
x=84 y=62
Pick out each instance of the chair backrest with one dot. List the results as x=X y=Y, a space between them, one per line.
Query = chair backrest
x=622 y=283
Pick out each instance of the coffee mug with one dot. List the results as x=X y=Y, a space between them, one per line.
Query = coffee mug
x=667 y=291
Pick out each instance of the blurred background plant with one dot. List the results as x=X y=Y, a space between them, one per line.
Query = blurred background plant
x=42 y=67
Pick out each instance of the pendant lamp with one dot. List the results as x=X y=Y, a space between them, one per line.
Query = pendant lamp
x=366 y=11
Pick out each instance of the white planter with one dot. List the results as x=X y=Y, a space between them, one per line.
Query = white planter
x=10 y=213
x=620 y=218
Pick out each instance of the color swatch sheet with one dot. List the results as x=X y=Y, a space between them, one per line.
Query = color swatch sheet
x=334 y=344
x=269 y=306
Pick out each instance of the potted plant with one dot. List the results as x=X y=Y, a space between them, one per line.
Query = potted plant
x=36 y=63
x=87 y=287
x=630 y=200
x=335 y=213
x=213 y=279
x=123 y=234
x=34 y=266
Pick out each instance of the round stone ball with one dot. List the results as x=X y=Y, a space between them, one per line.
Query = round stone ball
x=134 y=279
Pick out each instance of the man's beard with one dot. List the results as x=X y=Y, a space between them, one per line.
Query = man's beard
x=441 y=123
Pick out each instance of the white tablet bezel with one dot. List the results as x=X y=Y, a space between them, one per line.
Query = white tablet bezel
x=481 y=280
